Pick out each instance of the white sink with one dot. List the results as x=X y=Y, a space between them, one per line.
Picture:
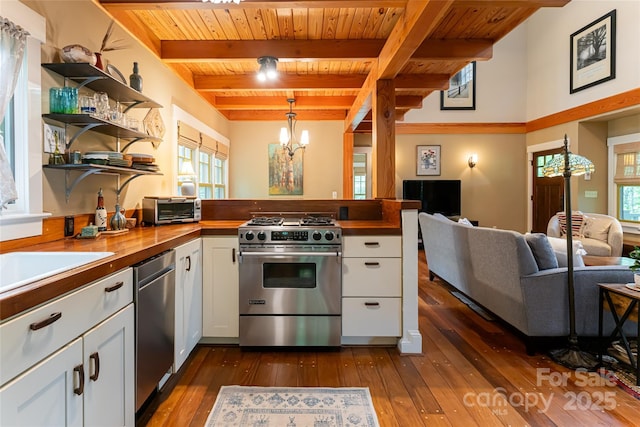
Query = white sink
x=20 y=268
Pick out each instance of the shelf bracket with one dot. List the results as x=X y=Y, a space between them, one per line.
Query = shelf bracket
x=131 y=178
x=84 y=129
x=86 y=81
x=68 y=189
x=132 y=105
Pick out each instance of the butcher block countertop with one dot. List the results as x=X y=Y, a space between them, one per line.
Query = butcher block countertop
x=132 y=247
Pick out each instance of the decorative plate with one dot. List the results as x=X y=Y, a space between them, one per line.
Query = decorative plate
x=153 y=124
x=115 y=73
x=633 y=287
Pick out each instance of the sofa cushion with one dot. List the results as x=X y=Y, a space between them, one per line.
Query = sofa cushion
x=542 y=251
x=596 y=247
x=596 y=228
x=577 y=223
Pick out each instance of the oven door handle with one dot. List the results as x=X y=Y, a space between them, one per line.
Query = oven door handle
x=333 y=253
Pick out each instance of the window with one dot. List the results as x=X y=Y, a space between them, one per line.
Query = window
x=625 y=153
x=205 y=181
x=22 y=131
x=219 y=174
x=361 y=173
x=543 y=160
x=209 y=171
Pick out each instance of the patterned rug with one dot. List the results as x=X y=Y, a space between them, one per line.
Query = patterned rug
x=292 y=407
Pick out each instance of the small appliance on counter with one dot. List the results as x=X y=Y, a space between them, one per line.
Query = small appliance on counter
x=171 y=210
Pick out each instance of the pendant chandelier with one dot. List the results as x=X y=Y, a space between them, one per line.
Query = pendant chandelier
x=288 y=138
x=222 y=1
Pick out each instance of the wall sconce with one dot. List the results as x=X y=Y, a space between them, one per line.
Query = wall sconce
x=268 y=68
x=473 y=160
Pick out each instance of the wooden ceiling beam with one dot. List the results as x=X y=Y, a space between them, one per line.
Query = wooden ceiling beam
x=302 y=102
x=248 y=4
x=513 y=4
x=457 y=49
x=419 y=20
x=280 y=103
x=422 y=81
x=309 y=50
x=271 y=115
x=296 y=82
x=284 y=50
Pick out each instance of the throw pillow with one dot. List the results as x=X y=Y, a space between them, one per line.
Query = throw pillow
x=597 y=228
x=542 y=250
x=577 y=223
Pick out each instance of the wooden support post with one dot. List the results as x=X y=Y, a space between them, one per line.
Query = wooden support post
x=347 y=165
x=384 y=140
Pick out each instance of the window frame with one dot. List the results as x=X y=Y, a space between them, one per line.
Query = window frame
x=24 y=218
x=613 y=202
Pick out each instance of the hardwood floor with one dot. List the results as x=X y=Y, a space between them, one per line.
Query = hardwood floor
x=472 y=372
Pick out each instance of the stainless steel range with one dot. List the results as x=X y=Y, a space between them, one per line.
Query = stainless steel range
x=290 y=282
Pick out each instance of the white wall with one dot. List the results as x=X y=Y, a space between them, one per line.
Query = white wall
x=548 y=34
x=249 y=166
x=500 y=88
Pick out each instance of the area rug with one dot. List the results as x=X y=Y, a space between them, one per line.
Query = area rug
x=292 y=407
x=623 y=379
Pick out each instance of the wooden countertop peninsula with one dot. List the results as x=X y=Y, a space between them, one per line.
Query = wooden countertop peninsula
x=220 y=217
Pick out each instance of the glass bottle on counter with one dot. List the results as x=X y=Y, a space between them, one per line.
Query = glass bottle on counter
x=101 y=213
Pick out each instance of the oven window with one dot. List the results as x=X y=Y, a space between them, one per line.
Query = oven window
x=289 y=275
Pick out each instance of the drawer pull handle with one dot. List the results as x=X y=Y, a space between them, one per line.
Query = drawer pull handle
x=46 y=322
x=80 y=370
x=372 y=304
x=114 y=287
x=371 y=244
x=96 y=366
x=371 y=263
x=188 y=262
x=233 y=255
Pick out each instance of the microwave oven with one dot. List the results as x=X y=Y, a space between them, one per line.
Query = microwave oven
x=171 y=210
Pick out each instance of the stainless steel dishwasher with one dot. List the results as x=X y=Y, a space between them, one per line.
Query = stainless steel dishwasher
x=155 y=310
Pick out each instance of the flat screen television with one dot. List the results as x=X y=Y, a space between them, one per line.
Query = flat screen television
x=437 y=196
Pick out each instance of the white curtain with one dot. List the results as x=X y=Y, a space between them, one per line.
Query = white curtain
x=12 y=43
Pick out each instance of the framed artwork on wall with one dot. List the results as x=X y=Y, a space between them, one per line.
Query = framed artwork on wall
x=461 y=94
x=285 y=171
x=593 y=53
x=428 y=160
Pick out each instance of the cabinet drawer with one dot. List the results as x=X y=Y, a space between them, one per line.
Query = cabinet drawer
x=34 y=335
x=372 y=246
x=371 y=277
x=371 y=317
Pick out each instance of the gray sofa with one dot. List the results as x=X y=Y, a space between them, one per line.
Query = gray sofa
x=497 y=269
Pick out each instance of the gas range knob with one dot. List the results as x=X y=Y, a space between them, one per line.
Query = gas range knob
x=261 y=235
x=329 y=235
x=248 y=235
x=316 y=235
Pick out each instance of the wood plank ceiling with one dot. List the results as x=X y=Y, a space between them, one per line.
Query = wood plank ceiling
x=326 y=49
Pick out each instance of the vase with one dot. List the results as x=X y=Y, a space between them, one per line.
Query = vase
x=99 y=60
x=135 y=79
x=118 y=220
x=636 y=279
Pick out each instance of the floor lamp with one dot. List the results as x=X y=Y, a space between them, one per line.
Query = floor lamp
x=568 y=165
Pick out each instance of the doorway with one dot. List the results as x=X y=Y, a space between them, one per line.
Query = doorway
x=548 y=193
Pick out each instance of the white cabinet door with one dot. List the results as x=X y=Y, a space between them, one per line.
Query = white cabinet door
x=188 y=326
x=220 y=310
x=47 y=394
x=109 y=372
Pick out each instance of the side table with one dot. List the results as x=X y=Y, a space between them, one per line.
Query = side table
x=619 y=290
